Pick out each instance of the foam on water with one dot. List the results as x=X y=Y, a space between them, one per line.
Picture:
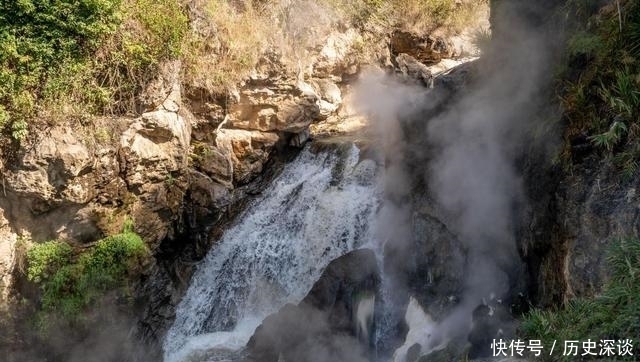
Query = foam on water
x=319 y=208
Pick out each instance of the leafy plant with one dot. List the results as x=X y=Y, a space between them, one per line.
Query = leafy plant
x=45 y=259
x=622 y=96
x=615 y=314
x=585 y=43
x=610 y=138
x=35 y=38
x=70 y=283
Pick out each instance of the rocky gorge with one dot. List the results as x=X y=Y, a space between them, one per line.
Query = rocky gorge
x=440 y=205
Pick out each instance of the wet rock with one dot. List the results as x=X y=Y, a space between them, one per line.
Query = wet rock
x=571 y=219
x=447 y=354
x=490 y=322
x=439 y=261
x=411 y=69
x=324 y=324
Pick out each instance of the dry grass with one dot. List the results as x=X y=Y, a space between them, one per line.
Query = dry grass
x=422 y=16
x=225 y=42
x=228 y=37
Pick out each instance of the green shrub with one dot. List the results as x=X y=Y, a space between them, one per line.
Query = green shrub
x=44 y=260
x=601 y=78
x=71 y=59
x=36 y=37
x=152 y=31
x=71 y=283
x=615 y=314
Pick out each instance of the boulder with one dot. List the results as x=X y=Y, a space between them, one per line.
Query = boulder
x=411 y=69
x=329 y=97
x=425 y=49
x=275 y=105
x=52 y=170
x=491 y=322
x=335 y=56
x=326 y=324
x=215 y=164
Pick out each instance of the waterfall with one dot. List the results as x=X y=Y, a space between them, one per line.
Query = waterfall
x=421 y=328
x=320 y=207
x=364 y=317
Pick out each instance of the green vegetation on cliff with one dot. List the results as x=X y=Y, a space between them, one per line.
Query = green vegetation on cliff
x=69 y=282
x=41 y=42
x=612 y=315
x=601 y=81
x=70 y=60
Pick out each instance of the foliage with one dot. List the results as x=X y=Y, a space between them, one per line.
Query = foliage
x=70 y=60
x=615 y=314
x=152 y=32
x=586 y=43
x=36 y=38
x=482 y=39
x=610 y=138
x=69 y=283
x=599 y=90
x=46 y=259
x=76 y=58
x=227 y=44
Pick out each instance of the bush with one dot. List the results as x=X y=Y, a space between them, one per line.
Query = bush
x=36 y=37
x=152 y=32
x=45 y=259
x=70 y=283
x=615 y=314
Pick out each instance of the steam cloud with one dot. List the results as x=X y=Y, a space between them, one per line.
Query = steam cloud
x=472 y=148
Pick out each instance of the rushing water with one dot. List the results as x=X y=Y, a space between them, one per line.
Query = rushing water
x=321 y=206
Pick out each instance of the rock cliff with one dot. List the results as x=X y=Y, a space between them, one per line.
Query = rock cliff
x=189 y=162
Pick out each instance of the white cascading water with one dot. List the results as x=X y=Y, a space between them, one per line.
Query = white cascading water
x=319 y=208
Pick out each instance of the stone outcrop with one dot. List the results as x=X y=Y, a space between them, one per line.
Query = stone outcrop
x=247 y=150
x=325 y=323
x=573 y=216
x=426 y=49
x=439 y=264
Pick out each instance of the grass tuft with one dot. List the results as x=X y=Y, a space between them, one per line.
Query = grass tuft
x=613 y=315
